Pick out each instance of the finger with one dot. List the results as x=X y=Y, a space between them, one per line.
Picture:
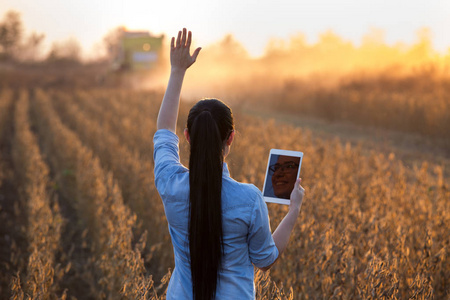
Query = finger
x=172 y=43
x=195 y=54
x=299 y=186
x=183 y=38
x=189 y=39
x=179 y=39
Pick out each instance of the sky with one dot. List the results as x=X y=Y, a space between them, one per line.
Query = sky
x=252 y=22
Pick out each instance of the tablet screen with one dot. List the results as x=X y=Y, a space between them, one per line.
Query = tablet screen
x=282 y=171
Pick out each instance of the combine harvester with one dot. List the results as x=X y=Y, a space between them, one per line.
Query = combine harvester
x=135 y=59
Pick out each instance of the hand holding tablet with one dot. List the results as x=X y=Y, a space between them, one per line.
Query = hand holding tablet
x=282 y=171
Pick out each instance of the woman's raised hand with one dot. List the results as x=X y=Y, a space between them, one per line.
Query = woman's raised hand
x=180 y=58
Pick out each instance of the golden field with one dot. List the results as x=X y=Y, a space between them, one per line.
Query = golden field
x=82 y=218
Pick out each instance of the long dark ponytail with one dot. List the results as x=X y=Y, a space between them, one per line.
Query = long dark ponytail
x=210 y=123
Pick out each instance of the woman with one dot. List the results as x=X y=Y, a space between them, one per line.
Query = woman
x=219 y=227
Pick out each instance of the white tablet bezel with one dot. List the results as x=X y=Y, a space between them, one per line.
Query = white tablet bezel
x=286 y=153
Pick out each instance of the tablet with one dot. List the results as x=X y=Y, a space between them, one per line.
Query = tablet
x=283 y=169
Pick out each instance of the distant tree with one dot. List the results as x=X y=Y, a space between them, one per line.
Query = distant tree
x=68 y=51
x=227 y=50
x=31 y=49
x=11 y=33
x=422 y=50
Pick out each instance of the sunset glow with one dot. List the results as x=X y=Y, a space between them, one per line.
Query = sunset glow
x=253 y=23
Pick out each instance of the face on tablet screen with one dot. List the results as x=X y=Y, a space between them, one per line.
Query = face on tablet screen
x=282 y=175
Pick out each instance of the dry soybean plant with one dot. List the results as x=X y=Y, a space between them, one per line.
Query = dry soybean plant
x=368 y=225
x=133 y=175
x=44 y=219
x=99 y=202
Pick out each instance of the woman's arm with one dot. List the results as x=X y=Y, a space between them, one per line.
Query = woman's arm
x=180 y=61
x=284 y=229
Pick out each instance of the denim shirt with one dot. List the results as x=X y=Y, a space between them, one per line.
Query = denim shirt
x=247 y=236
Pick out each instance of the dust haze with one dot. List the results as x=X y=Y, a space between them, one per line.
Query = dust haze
x=226 y=70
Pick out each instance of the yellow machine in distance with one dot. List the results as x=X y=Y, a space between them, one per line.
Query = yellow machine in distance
x=137 y=50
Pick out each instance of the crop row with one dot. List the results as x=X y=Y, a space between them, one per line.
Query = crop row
x=5 y=101
x=98 y=201
x=134 y=176
x=44 y=220
x=132 y=119
x=9 y=259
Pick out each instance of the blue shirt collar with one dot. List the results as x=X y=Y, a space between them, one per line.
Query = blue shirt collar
x=225 y=170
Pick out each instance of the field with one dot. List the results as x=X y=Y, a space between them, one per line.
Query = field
x=81 y=217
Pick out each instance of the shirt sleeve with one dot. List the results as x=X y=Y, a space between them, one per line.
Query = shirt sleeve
x=262 y=249
x=166 y=157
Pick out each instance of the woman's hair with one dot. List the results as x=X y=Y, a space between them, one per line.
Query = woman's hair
x=210 y=123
